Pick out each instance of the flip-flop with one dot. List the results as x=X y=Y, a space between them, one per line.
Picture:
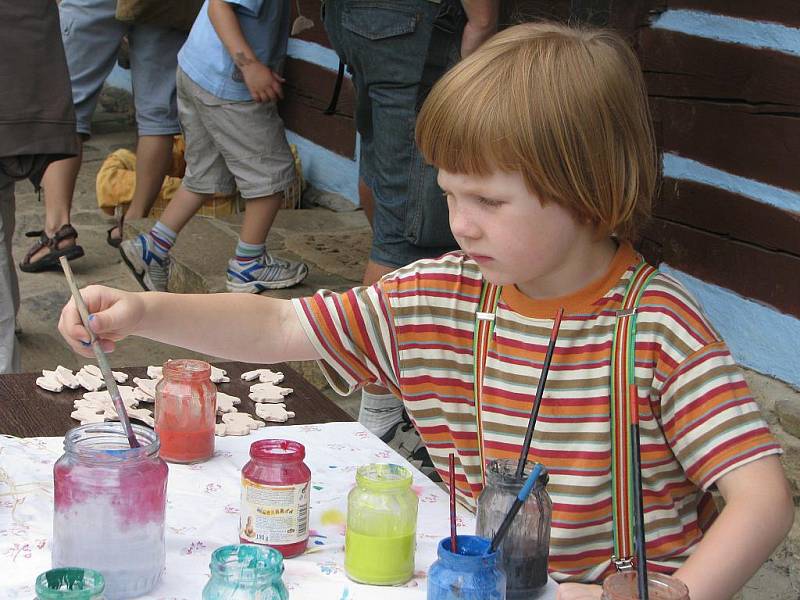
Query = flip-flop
x=49 y=261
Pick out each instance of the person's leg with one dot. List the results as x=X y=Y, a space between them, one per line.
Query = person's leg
x=154 y=60
x=9 y=286
x=91 y=36
x=252 y=141
x=153 y=161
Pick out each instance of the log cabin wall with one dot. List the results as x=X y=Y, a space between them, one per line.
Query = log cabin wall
x=723 y=78
x=327 y=143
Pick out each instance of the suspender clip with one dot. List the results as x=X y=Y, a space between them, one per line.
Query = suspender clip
x=626 y=312
x=484 y=316
x=622 y=564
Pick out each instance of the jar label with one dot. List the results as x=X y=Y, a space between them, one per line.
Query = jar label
x=274 y=514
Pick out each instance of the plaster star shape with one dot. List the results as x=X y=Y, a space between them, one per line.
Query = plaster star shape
x=274 y=413
x=268 y=392
x=148 y=386
x=67 y=377
x=155 y=372
x=263 y=376
x=219 y=375
x=226 y=403
x=237 y=424
x=49 y=382
x=88 y=381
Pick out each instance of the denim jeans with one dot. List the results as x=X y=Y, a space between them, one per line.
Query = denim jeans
x=385 y=44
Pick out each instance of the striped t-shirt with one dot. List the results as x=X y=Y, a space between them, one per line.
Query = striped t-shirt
x=413 y=333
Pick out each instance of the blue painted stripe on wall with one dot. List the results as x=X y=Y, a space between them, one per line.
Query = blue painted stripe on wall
x=327 y=170
x=756 y=34
x=679 y=167
x=760 y=337
x=313 y=53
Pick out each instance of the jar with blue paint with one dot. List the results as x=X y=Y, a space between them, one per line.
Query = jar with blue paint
x=246 y=572
x=471 y=573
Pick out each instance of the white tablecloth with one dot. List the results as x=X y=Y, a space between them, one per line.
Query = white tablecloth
x=203 y=514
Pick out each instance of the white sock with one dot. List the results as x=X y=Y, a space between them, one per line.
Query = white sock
x=379 y=412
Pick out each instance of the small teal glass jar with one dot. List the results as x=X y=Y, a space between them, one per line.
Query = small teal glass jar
x=470 y=574
x=246 y=572
x=70 y=583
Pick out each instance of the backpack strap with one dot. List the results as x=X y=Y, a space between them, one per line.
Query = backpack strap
x=623 y=401
x=484 y=327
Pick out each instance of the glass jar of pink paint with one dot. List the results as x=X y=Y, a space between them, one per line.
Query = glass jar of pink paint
x=110 y=501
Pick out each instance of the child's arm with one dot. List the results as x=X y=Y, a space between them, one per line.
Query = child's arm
x=481 y=23
x=262 y=82
x=757 y=516
x=233 y=326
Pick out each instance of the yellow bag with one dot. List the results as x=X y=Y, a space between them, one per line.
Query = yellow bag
x=116 y=181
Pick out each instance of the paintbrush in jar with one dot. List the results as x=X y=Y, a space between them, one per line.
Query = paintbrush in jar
x=102 y=360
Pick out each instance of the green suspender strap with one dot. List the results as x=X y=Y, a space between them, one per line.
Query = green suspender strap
x=484 y=326
x=623 y=400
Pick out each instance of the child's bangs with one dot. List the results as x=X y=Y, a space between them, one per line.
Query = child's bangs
x=463 y=126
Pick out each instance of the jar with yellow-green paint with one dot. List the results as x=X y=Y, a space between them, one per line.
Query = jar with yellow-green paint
x=381 y=526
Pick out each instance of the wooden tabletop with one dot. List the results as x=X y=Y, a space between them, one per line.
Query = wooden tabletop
x=26 y=410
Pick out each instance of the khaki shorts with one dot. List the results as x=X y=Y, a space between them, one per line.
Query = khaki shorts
x=232 y=144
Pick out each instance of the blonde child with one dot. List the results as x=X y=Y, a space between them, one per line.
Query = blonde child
x=544 y=147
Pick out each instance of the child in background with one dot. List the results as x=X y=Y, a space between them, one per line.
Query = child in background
x=545 y=150
x=228 y=84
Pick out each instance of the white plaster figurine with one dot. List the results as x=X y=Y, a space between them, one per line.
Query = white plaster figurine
x=226 y=403
x=268 y=392
x=263 y=375
x=237 y=424
x=275 y=413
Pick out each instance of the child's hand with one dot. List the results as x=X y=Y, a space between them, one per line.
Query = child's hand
x=113 y=315
x=579 y=591
x=263 y=83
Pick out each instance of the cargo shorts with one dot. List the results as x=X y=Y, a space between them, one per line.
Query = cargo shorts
x=230 y=144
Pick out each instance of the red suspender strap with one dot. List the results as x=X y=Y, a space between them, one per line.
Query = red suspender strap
x=622 y=400
x=484 y=326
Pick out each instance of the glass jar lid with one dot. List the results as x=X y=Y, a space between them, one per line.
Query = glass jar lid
x=108 y=443
x=277 y=450
x=187 y=369
x=383 y=477
x=69 y=583
x=247 y=564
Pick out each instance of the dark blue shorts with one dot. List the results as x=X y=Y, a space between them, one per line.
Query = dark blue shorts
x=385 y=44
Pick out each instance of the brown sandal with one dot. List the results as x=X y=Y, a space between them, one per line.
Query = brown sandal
x=119 y=218
x=49 y=261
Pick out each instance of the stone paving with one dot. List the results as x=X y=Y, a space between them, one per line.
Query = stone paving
x=335 y=246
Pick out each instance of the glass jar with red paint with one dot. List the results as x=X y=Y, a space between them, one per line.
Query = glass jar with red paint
x=186 y=411
x=275 y=494
x=109 y=507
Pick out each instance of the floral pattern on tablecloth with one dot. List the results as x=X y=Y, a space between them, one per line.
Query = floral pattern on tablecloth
x=203 y=513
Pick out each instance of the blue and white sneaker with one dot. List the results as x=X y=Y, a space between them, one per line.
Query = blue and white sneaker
x=150 y=270
x=266 y=273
